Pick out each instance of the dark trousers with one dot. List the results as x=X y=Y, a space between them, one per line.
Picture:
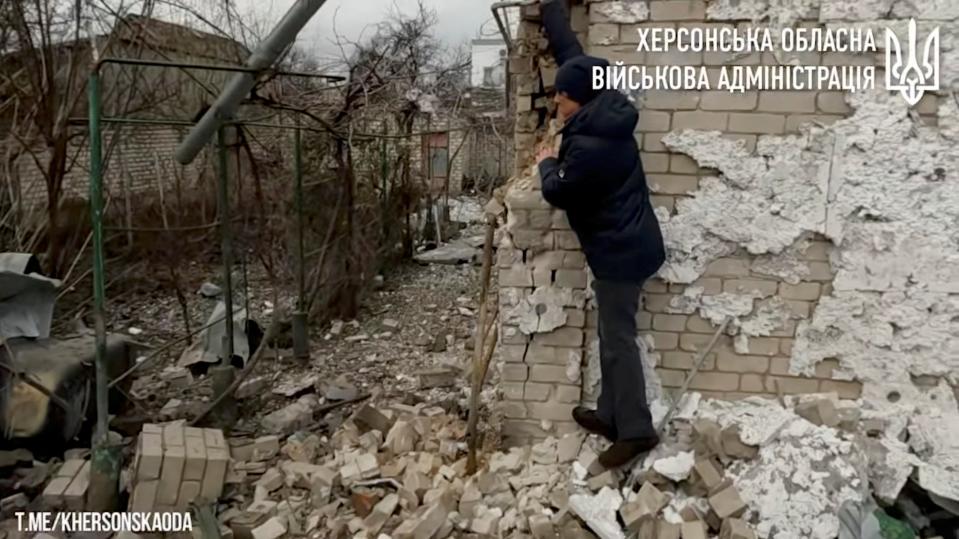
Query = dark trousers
x=622 y=401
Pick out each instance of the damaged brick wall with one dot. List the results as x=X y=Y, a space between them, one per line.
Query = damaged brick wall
x=779 y=210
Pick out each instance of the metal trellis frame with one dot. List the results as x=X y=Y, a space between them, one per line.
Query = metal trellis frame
x=105 y=458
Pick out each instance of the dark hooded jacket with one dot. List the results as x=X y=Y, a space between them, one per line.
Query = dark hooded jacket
x=598 y=176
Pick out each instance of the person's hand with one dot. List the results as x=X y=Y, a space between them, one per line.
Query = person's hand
x=544 y=154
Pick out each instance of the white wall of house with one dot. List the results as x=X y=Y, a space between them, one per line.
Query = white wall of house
x=489 y=63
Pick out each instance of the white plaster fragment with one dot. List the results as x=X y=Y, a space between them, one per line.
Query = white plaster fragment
x=599 y=512
x=621 y=11
x=778 y=12
x=800 y=480
x=854 y=10
x=890 y=465
x=677 y=467
x=944 y=10
x=759 y=420
x=749 y=317
x=787 y=266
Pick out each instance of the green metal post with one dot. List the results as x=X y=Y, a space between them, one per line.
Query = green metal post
x=223 y=196
x=226 y=412
x=301 y=256
x=105 y=465
x=301 y=337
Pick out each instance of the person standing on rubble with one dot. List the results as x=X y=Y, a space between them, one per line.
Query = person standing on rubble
x=597 y=177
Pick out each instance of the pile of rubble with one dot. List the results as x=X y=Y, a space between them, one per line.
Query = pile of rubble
x=733 y=470
x=803 y=467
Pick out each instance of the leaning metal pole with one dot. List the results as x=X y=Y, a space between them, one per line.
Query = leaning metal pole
x=262 y=58
x=105 y=460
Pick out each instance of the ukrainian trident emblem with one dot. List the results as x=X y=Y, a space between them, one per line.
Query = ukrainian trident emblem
x=912 y=77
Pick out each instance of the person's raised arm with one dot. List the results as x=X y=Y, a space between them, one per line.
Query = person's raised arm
x=562 y=39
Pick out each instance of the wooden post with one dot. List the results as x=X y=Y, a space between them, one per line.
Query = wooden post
x=479 y=370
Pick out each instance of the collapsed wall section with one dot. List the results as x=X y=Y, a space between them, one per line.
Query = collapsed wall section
x=822 y=223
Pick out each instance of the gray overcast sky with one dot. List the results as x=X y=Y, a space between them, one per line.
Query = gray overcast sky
x=458 y=20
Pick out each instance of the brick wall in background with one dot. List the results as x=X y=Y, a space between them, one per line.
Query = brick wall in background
x=543 y=371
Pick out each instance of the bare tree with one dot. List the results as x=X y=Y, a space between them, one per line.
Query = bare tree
x=394 y=79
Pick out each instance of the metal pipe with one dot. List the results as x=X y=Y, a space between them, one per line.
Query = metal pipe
x=262 y=58
x=99 y=289
x=223 y=195
x=213 y=67
x=503 y=30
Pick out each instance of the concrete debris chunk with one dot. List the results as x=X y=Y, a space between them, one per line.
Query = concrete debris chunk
x=819 y=412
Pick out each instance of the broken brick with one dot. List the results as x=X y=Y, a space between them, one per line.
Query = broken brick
x=666 y=530
x=541 y=527
x=380 y=513
x=733 y=528
x=708 y=439
x=649 y=502
x=432 y=378
x=733 y=445
x=363 y=503
x=727 y=503
x=424 y=524
x=819 y=412
x=372 y=419
x=693 y=530
x=265 y=448
x=708 y=473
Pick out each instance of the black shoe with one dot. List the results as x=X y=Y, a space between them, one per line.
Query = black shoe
x=588 y=419
x=622 y=452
